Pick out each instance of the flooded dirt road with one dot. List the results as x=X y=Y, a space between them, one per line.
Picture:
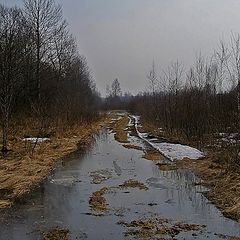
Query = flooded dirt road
x=111 y=192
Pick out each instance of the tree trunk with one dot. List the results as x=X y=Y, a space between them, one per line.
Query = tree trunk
x=5 y=132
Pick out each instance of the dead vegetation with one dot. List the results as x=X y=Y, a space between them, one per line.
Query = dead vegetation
x=97 y=201
x=153 y=155
x=133 y=184
x=119 y=127
x=167 y=166
x=23 y=169
x=149 y=228
x=56 y=234
x=131 y=146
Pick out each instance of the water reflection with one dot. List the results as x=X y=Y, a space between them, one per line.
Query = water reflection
x=63 y=199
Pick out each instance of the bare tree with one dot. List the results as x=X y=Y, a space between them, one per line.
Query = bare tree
x=11 y=50
x=221 y=57
x=63 y=49
x=153 y=85
x=235 y=62
x=116 y=89
x=44 y=17
x=199 y=71
x=153 y=81
x=174 y=75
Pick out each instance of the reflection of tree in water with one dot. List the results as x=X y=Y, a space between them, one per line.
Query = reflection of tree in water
x=182 y=190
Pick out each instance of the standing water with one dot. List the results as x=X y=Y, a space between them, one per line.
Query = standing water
x=63 y=200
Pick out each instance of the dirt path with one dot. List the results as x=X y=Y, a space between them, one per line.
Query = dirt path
x=113 y=192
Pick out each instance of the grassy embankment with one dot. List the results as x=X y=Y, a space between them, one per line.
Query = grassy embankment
x=218 y=170
x=26 y=166
x=119 y=127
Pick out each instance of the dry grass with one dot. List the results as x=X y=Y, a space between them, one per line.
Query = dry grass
x=119 y=128
x=131 y=146
x=97 y=201
x=153 y=155
x=167 y=166
x=22 y=170
x=155 y=228
x=133 y=184
x=56 y=234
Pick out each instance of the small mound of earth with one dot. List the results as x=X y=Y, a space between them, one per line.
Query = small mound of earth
x=100 y=176
x=153 y=155
x=155 y=227
x=56 y=234
x=166 y=166
x=133 y=184
x=97 y=201
x=131 y=146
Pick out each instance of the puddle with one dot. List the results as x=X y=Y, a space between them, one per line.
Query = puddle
x=100 y=176
x=63 y=200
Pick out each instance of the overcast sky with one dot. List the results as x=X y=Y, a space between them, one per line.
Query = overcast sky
x=120 y=38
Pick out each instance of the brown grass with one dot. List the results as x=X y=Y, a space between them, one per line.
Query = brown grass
x=155 y=228
x=153 y=155
x=167 y=166
x=131 y=146
x=133 y=184
x=56 y=234
x=97 y=201
x=118 y=127
x=22 y=170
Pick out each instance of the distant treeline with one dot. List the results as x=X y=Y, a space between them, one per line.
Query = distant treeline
x=204 y=99
x=42 y=75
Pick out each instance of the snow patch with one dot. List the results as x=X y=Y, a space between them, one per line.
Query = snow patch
x=38 y=140
x=170 y=150
x=178 y=151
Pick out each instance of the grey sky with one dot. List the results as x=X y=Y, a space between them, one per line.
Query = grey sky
x=120 y=38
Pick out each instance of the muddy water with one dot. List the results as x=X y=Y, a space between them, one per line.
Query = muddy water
x=63 y=200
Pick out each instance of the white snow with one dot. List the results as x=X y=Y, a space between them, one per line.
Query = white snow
x=129 y=122
x=38 y=140
x=178 y=151
x=116 y=119
x=171 y=150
